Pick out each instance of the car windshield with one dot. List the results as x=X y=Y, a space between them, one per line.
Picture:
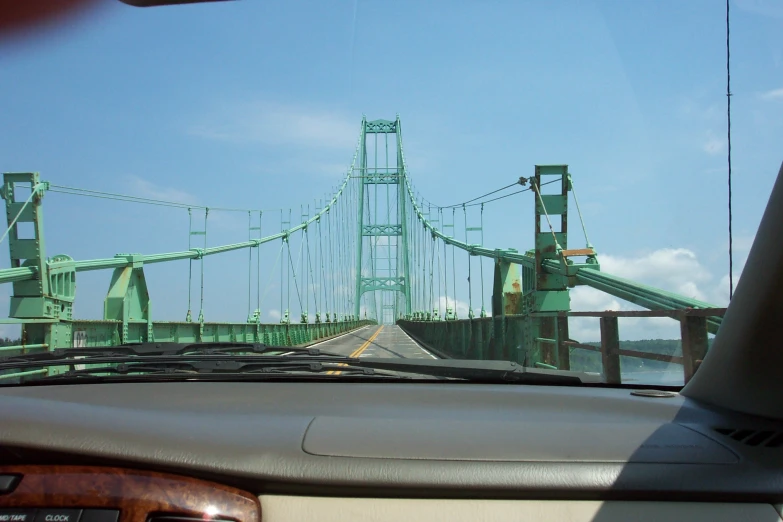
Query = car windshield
x=220 y=182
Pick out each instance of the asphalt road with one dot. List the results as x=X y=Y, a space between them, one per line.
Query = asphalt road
x=387 y=341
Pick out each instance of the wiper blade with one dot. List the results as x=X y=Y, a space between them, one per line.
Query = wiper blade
x=480 y=371
x=205 y=361
x=226 y=368
x=163 y=349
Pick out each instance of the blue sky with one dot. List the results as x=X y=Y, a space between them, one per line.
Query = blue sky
x=257 y=104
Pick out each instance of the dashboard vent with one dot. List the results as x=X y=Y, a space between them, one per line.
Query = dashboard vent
x=765 y=438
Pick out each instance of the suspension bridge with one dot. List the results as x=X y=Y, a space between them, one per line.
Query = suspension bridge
x=371 y=273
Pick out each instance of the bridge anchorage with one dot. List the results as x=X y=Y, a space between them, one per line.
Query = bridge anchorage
x=371 y=254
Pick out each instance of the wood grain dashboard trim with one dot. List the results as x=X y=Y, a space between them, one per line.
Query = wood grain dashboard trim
x=135 y=493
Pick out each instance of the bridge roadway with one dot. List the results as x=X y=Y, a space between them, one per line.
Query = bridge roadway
x=386 y=341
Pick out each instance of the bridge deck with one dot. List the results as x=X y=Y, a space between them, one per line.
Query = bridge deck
x=387 y=341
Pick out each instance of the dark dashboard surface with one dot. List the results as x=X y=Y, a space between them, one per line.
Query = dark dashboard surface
x=386 y=439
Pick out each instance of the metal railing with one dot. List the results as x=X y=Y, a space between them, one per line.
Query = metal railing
x=693 y=336
x=509 y=338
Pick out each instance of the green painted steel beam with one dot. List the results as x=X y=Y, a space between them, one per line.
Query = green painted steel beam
x=381 y=127
x=368 y=284
x=382 y=230
x=23 y=273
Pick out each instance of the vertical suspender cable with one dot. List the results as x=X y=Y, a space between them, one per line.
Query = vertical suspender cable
x=300 y=261
x=249 y=265
x=258 y=265
x=201 y=311
x=271 y=278
x=432 y=273
x=329 y=215
x=445 y=276
x=282 y=279
x=190 y=261
x=453 y=264
x=308 y=279
x=481 y=258
x=311 y=275
x=470 y=290
x=440 y=293
x=728 y=130
x=288 y=272
x=293 y=270
x=424 y=243
x=325 y=299
x=339 y=258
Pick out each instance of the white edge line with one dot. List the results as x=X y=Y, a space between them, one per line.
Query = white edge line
x=417 y=344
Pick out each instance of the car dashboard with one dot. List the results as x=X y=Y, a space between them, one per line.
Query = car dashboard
x=321 y=451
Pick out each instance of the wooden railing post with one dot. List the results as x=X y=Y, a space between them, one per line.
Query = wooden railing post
x=693 y=331
x=610 y=349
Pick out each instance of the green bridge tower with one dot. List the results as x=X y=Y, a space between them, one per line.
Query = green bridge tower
x=385 y=273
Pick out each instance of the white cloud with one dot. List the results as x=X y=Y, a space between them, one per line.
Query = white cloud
x=587 y=329
x=274 y=314
x=773 y=95
x=278 y=124
x=143 y=188
x=676 y=270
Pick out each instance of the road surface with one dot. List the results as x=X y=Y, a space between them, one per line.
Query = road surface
x=387 y=341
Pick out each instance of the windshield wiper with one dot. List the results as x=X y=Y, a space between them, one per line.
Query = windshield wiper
x=199 y=364
x=163 y=349
x=481 y=371
x=214 y=368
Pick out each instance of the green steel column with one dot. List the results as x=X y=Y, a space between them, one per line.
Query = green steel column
x=128 y=299
x=507 y=289
x=550 y=291
x=30 y=298
x=506 y=300
x=360 y=217
x=402 y=193
x=50 y=293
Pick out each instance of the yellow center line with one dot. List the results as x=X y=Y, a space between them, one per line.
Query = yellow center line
x=358 y=351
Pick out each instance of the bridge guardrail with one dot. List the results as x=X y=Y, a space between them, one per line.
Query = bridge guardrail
x=509 y=338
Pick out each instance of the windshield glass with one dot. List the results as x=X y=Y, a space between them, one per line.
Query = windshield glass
x=237 y=172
